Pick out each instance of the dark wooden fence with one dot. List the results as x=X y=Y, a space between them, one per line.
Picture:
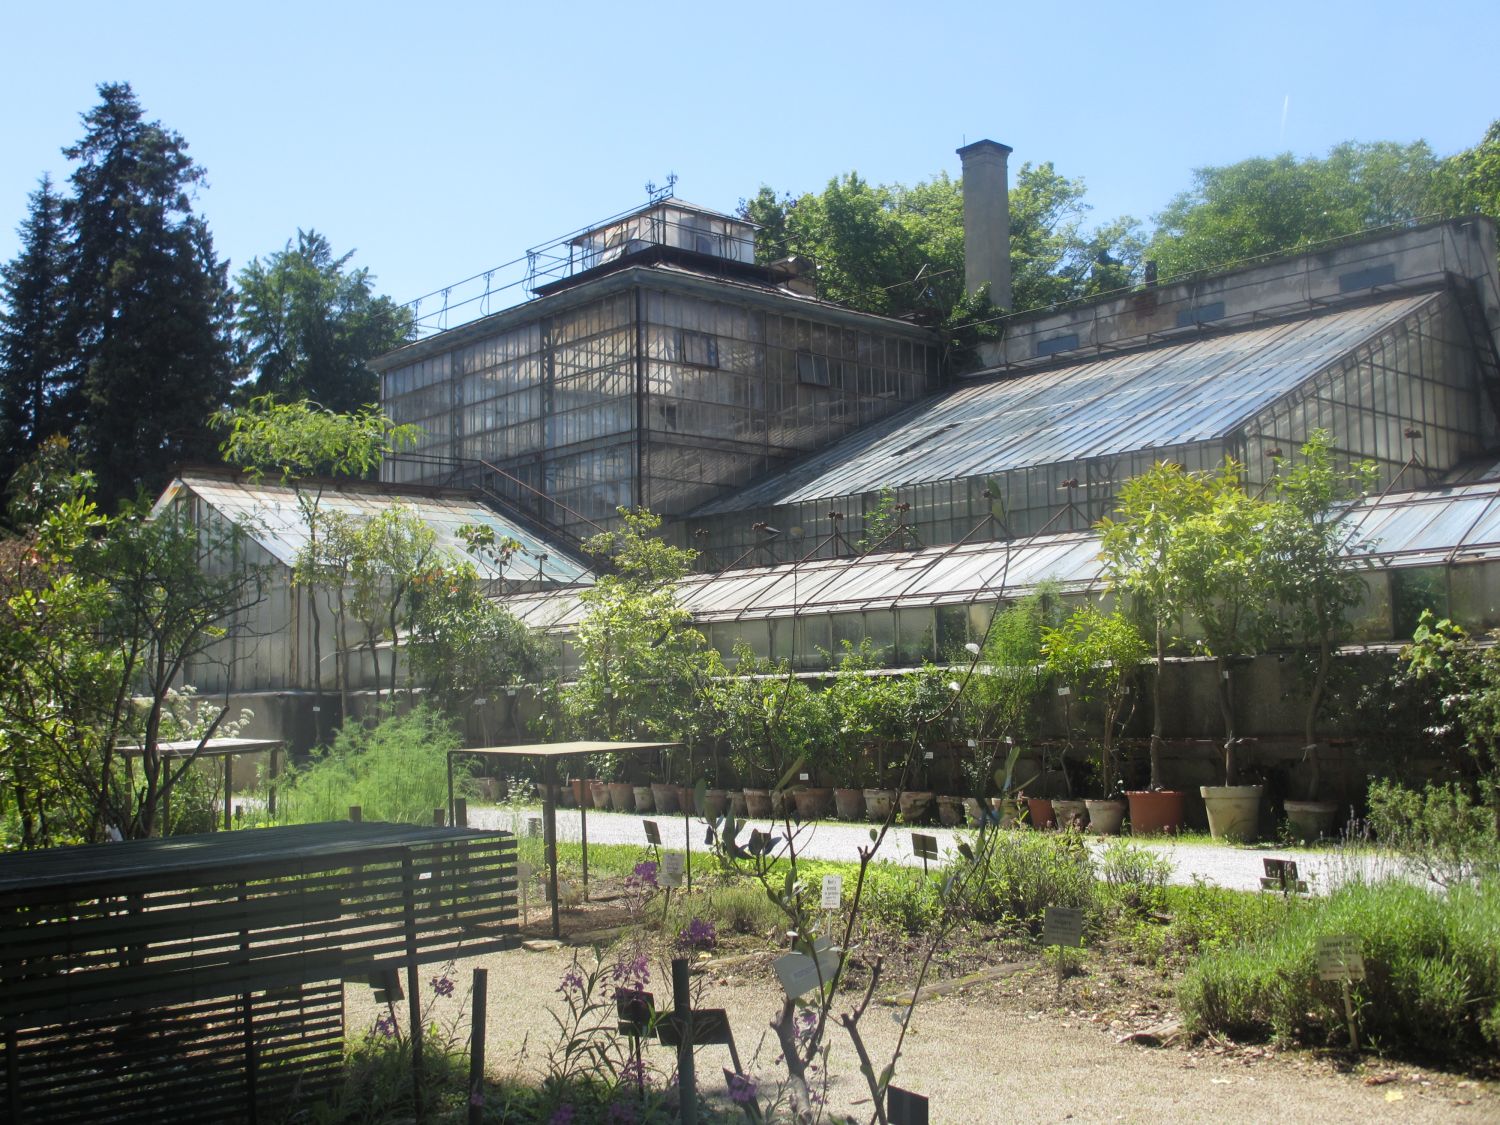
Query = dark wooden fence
x=203 y=974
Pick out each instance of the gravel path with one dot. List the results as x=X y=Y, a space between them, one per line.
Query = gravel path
x=998 y=1052
x=1235 y=867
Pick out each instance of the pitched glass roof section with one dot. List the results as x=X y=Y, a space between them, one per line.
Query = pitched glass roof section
x=1404 y=529
x=269 y=514
x=1171 y=395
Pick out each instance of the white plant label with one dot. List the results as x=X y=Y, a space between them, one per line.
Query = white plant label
x=804 y=776
x=1064 y=690
x=799 y=973
x=833 y=892
x=1340 y=958
x=673 y=865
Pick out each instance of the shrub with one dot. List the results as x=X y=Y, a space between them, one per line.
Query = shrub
x=1432 y=972
x=1136 y=877
x=1025 y=873
x=901 y=898
x=396 y=770
x=1439 y=828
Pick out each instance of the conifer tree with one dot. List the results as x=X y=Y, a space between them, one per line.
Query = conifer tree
x=34 y=401
x=148 y=301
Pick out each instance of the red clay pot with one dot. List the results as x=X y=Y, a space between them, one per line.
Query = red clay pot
x=1154 y=811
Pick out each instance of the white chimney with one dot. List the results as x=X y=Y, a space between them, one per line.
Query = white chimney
x=987 y=219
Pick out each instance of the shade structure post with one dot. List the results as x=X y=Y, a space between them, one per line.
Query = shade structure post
x=549 y=835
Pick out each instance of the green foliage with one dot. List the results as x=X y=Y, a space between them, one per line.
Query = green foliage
x=865 y=710
x=771 y=719
x=642 y=667
x=391 y=552
x=1192 y=544
x=885 y=527
x=1023 y=873
x=890 y=248
x=33 y=350
x=1432 y=972
x=997 y=700
x=302 y=439
x=1470 y=180
x=1096 y=655
x=1277 y=204
x=395 y=770
x=147 y=301
x=307 y=325
x=101 y=618
x=463 y=644
x=1135 y=878
x=1439 y=828
x=1464 y=676
x=904 y=899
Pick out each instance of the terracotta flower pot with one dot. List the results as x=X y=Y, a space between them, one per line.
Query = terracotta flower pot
x=1040 y=812
x=758 y=803
x=644 y=802
x=1233 y=810
x=738 y=806
x=812 y=802
x=950 y=811
x=1070 y=813
x=1154 y=811
x=1105 y=817
x=1012 y=811
x=878 y=803
x=582 y=797
x=1310 y=821
x=715 y=803
x=849 y=803
x=914 y=806
x=664 y=797
x=599 y=793
x=973 y=810
x=622 y=796
x=778 y=803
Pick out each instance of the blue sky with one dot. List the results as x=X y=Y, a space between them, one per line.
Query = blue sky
x=441 y=140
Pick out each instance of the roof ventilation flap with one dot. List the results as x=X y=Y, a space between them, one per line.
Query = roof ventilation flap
x=923 y=440
x=1367 y=278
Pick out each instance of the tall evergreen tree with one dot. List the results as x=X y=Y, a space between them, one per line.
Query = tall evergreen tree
x=148 y=300
x=34 y=401
x=307 y=325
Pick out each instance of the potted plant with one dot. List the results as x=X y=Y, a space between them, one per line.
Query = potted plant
x=1220 y=558
x=1316 y=585
x=1096 y=656
x=862 y=710
x=996 y=709
x=1142 y=562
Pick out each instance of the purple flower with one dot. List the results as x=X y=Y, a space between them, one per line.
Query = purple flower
x=572 y=981
x=386 y=1026
x=563 y=1114
x=633 y=1073
x=699 y=934
x=644 y=876
x=620 y=1113
x=443 y=985
x=741 y=1089
x=632 y=974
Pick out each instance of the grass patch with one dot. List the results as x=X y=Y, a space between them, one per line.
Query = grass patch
x=1432 y=963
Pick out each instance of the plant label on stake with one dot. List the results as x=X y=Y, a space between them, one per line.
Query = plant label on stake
x=799 y=973
x=833 y=892
x=1281 y=875
x=523 y=877
x=902 y=1107
x=653 y=833
x=1340 y=958
x=924 y=847
x=1062 y=926
x=673 y=864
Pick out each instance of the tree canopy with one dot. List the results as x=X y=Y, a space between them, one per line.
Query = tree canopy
x=116 y=327
x=889 y=248
x=307 y=324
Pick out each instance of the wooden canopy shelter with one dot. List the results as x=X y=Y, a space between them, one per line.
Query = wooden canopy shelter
x=548 y=754
x=226 y=748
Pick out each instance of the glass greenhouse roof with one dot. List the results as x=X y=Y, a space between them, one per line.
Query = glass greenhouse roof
x=1171 y=395
x=1404 y=529
x=269 y=513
